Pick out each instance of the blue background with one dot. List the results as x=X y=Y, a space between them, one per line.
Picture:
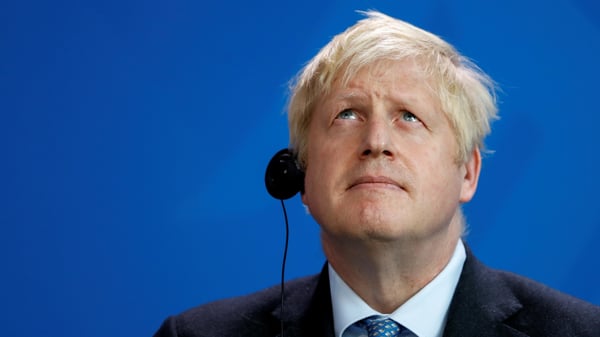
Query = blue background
x=134 y=137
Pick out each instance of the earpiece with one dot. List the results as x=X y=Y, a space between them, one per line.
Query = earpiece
x=284 y=177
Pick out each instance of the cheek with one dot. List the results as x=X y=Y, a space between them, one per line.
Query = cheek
x=314 y=197
x=440 y=172
x=315 y=178
x=311 y=179
x=309 y=186
x=321 y=174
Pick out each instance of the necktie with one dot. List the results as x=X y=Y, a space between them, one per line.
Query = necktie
x=381 y=327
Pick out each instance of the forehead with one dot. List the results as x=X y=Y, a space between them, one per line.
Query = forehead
x=395 y=79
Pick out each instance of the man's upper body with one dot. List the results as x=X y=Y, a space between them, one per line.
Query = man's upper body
x=486 y=302
x=387 y=123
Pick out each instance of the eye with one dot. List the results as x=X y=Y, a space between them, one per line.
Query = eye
x=410 y=117
x=347 y=114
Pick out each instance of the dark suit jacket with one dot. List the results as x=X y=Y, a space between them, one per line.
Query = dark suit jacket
x=486 y=303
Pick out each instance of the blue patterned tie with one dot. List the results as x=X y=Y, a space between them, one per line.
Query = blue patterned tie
x=381 y=327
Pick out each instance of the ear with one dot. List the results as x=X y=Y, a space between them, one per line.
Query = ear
x=471 y=170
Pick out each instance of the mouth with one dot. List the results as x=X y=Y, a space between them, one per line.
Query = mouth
x=375 y=182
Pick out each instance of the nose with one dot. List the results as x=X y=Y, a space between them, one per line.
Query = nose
x=377 y=139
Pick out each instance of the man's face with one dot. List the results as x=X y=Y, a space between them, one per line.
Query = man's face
x=382 y=158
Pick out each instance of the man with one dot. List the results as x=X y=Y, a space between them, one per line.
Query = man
x=388 y=122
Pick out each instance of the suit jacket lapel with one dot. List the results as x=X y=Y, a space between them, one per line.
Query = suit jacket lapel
x=308 y=311
x=481 y=304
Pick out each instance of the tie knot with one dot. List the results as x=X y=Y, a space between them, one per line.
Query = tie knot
x=381 y=327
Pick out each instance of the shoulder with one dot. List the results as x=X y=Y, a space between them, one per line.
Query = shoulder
x=534 y=293
x=487 y=297
x=550 y=308
x=255 y=314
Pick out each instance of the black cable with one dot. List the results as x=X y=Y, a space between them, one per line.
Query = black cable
x=285 y=250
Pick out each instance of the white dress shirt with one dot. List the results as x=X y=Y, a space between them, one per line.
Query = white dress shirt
x=424 y=314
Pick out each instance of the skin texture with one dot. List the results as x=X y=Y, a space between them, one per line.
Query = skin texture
x=383 y=182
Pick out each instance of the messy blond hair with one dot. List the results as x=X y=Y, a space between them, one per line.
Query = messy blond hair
x=466 y=94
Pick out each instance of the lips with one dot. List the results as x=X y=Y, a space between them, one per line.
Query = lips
x=375 y=182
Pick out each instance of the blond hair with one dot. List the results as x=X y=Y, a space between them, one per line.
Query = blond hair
x=466 y=94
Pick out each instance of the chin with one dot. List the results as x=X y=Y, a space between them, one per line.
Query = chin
x=384 y=232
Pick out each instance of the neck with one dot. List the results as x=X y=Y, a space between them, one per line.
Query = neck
x=385 y=274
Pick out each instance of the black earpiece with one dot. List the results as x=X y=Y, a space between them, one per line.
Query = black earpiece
x=284 y=177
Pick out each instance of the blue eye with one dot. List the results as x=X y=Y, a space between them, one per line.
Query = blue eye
x=410 y=117
x=347 y=114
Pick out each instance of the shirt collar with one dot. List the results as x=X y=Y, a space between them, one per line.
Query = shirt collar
x=424 y=314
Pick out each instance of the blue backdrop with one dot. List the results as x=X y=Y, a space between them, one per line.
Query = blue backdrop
x=134 y=137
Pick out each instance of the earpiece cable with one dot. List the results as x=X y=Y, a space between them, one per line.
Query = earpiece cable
x=285 y=249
